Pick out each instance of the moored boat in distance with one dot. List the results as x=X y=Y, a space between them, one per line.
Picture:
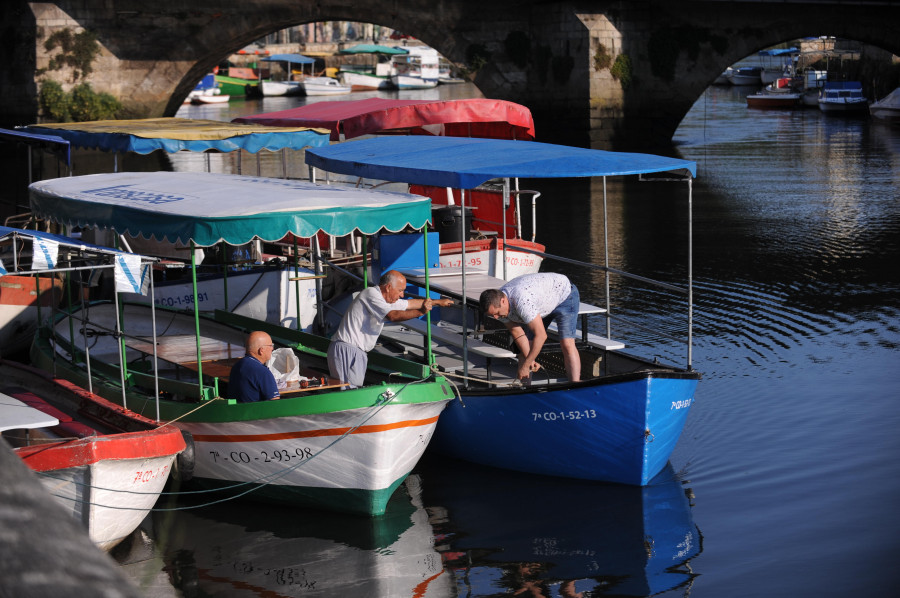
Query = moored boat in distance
x=419 y=68
x=843 y=97
x=769 y=99
x=290 y=84
x=621 y=421
x=324 y=86
x=745 y=75
x=887 y=108
x=369 y=76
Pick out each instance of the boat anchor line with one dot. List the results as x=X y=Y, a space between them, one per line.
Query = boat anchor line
x=385 y=399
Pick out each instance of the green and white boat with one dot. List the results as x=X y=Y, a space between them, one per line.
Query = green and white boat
x=344 y=450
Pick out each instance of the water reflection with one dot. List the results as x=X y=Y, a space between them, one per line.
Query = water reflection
x=252 y=549
x=503 y=532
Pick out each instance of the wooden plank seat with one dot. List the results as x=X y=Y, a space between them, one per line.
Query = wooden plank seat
x=450 y=337
x=594 y=340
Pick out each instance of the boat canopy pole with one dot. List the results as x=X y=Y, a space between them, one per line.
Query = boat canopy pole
x=320 y=305
x=225 y=274
x=429 y=354
x=503 y=209
x=155 y=361
x=297 y=282
x=365 y=259
x=606 y=261
x=690 y=291
x=196 y=318
x=518 y=213
x=462 y=236
x=121 y=341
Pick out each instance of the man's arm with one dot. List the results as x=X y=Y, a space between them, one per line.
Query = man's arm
x=418 y=306
x=529 y=350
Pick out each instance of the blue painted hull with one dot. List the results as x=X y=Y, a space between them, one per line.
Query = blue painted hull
x=620 y=429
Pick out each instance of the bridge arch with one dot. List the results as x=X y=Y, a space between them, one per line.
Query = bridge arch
x=608 y=73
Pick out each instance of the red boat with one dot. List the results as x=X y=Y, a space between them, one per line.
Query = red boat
x=488 y=227
x=103 y=463
x=773 y=100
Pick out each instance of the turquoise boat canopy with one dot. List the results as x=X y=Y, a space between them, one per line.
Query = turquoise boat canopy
x=292 y=58
x=206 y=208
x=146 y=135
x=372 y=49
x=465 y=163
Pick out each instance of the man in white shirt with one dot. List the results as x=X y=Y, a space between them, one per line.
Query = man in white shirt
x=533 y=301
x=362 y=324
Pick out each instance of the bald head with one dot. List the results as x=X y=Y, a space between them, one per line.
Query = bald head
x=259 y=345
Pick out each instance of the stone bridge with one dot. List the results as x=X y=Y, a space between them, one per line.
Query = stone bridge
x=601 y=72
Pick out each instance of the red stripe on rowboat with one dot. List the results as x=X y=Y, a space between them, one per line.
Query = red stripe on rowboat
x=313 y=433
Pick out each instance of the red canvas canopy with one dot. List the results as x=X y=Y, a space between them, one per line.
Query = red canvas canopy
x=495 y=119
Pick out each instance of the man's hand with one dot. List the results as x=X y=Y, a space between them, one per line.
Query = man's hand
x=526 y=368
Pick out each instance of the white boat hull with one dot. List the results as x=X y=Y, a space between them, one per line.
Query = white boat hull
x=280 y=88
x=111 y=497
x=269 y=296
x=362 y=81
x=375 y=457
x=413 y=82
x=324 y=86
x=517 y=262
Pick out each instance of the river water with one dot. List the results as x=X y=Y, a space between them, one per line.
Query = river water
x=784 y=481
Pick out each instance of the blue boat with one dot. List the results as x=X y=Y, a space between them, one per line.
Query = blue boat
x=622 y=421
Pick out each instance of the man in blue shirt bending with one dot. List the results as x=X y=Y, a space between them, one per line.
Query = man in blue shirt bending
x=250 y=380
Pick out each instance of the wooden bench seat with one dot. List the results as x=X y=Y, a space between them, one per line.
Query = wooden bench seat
x=595 y=340
x=450 y=337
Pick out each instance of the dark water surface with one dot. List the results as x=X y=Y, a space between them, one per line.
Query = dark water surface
x=784 y=482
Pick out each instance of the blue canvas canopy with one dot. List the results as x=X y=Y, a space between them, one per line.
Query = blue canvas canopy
x=60 y=147
x=146 y=135
x=779 y=52
x=207 y=208
x=7 y=232
x=465 y=163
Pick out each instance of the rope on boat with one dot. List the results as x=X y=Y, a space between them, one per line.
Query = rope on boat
x=202 y=405
x=385 y=398
x=515 y=383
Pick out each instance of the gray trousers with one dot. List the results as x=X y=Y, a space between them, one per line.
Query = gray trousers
x=347 y=363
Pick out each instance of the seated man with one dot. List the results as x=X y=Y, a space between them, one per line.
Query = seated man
x=362 y=324
x=250 y=380
x=533 y=301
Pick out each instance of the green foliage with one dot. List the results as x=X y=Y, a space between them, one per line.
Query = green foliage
x=81 y=104
x=602 y=59
x=621 y=70
x=77 y=51
x=518 y=48
x=477 y=56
